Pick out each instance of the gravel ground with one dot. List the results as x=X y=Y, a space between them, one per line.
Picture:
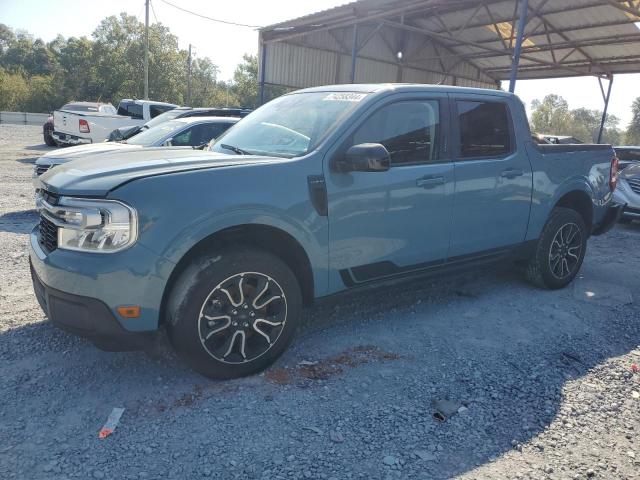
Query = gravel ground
x=541 y=383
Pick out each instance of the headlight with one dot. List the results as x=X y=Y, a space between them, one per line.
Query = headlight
x=99 y=226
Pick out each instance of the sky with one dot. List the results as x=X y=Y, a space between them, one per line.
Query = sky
x=226 y=44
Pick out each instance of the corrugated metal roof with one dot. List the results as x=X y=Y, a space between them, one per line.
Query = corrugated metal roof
x=454 y=41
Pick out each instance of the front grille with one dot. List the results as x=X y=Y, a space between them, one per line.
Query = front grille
x=48 y=235
x=50 y=198
x=634 y=184
x=40 y=169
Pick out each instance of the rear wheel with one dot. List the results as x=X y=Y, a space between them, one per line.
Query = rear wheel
x=560 y=250
x=234 y=312
x=48 y=139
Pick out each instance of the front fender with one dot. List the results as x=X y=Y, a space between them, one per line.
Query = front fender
x=179 y=210
x=202 y=228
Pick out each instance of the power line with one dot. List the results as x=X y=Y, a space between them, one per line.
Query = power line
x=209 y=18
x=154 y=11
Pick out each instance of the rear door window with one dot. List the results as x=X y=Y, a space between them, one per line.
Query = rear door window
x=132 y=110
x=199 y=134
x=484 y=129
x=155 y=110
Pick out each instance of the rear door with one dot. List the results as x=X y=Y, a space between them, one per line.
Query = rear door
x=384 y=224
x=493 y=177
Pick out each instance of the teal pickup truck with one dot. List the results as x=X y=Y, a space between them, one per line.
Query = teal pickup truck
x=319 y=191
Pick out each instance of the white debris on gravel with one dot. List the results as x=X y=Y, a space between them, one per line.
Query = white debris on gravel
x=545 y=380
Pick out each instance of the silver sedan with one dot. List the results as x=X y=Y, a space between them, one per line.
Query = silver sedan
x=628 y=191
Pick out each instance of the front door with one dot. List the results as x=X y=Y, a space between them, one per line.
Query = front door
x=384 y=224
x=493 y=177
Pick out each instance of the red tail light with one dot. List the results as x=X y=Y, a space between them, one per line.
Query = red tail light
x=613 y=173
x=84 y=126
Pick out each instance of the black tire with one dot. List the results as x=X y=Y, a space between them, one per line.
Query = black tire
x=48 y=139
x=204 y=321
x=543 y=269
x=625 y=220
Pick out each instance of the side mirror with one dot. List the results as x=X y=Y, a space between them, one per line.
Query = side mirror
x=168 y=142
x=365 y=157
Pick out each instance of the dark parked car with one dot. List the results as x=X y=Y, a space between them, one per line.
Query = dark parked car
x=627 y=156
x=561 y=139
x=124 y=133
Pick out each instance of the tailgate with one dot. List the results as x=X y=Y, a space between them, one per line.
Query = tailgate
x=66 y=122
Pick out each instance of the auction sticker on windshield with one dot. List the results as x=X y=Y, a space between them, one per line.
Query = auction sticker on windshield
x=345 y=96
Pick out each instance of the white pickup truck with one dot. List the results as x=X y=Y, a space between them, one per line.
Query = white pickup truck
x=75 y=128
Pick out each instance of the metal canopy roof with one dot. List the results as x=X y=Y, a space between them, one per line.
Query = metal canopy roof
x=463 y=42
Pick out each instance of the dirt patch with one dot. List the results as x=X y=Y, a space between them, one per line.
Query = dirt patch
x=330 y=366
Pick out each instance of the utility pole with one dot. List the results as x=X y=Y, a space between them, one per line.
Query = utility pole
x=146 y=50
x=189 y=78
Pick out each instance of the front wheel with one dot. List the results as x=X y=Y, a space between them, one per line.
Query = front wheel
x=560 y=250
x=233 y=312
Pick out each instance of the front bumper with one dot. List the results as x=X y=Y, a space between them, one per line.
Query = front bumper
x=611 y=217
x=80 y=292
x=70 y=139
x=87 y=317
x=631 y=213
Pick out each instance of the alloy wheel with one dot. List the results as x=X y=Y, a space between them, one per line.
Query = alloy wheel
x=566 y=247
x=242 y=317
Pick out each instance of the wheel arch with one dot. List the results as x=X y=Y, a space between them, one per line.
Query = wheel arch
x=581 y=202
x=260 y=236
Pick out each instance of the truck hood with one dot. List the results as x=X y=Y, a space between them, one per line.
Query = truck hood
x=63 y=155
x=98 y=175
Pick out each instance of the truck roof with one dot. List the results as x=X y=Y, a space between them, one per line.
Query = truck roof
x=150 y=102
x=402 y=87
x=211 y=119
x=88 y=104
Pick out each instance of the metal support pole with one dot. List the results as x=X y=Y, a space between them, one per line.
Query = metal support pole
x=515 y=63
x=263 y=64
x=189 y=78
x=354 y=53
x=146 y=50
x=606 y=106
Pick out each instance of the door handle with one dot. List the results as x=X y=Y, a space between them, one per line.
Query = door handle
x=511 y=173
x=430 y=182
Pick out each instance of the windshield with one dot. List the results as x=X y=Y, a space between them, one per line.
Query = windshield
x=289 y=126
x=163 y=117
x=151 y=136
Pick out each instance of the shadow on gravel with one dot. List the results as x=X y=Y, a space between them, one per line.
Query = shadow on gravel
x=503 y=358
x=18 y=222
x=27 y=160
x=41 y=147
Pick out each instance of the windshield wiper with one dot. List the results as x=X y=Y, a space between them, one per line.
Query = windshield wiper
x=237 y=150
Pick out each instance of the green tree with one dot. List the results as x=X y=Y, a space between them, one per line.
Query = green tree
x=245 y=81
x=632 y=136
x=553 y=116
x=14 y=90
x=108 y=66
